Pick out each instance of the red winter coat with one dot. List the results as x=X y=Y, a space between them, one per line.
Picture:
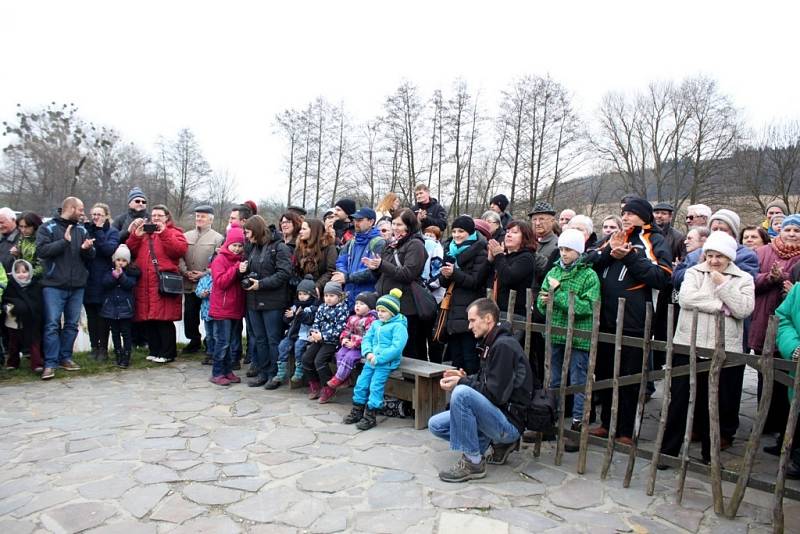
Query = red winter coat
x=769 y=294
x=170 y=246
x=227 y=296
x=356 y=327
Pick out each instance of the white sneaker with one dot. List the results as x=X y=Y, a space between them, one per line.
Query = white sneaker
x=159 y=359
x=150 y=358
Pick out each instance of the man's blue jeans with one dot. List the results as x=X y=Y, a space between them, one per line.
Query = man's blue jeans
x=472 y=423
x=578 y=366
x=57 y=340
x=268 y=330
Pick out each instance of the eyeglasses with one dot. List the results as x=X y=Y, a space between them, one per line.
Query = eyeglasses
x=693 y=217
x=139 y=201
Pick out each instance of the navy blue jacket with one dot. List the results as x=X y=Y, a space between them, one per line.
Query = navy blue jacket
x=118 y=299
x=106 y=240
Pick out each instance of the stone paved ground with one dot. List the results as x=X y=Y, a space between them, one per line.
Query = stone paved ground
x=165 y=451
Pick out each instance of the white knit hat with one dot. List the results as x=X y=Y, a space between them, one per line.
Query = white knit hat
x=572 y=238
x=122 y=252
x=721 y=242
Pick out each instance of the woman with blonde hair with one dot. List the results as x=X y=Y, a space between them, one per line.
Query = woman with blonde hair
x=388 y=205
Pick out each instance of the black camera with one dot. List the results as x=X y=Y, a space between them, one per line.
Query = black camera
x=449 y=259
x=248 y=280
x=149 y=228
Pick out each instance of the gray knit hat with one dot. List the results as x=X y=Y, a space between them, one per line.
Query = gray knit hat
x=334 y=288
x=307 y=285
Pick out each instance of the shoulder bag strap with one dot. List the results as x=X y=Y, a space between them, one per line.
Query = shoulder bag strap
x=153 y=259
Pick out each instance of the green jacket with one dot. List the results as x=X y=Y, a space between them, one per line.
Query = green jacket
x=789 y=325
x=581 y=280
x=27 y=250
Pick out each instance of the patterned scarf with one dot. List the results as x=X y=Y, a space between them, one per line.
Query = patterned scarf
x=784 y=251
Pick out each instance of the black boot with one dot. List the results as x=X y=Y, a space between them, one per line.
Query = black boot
x=368 y=421
x=118 y=358
x=355 y=414
x=126 y=359
x=95 y=354
x=102 y=355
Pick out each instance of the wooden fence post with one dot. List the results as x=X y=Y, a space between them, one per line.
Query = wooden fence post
x=788 y=437
x=587 y=400
x=637 y=423
x=528 y=318
x=662 y=422
x=612 y=427
x=713 y=412
x=512 y=301
x=687 y=436
x=548 y=355
x=567 y=357
x=766 y=369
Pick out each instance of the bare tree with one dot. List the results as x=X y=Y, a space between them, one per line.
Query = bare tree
x=220 y=192
x=187 y=169
x=290 y=125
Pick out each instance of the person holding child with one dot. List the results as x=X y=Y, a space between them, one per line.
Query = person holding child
x=23 y=307
x=570 y=274
x=383 y=348
x=323 y=340
x=299 y=317
x=118 y=302
x=352 y=337
x=227 y=304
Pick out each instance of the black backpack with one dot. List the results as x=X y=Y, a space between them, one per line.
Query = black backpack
x=542 y=410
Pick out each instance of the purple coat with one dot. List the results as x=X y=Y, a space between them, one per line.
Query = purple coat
x=768 y=294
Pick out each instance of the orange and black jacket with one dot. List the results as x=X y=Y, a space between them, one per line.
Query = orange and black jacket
x=646 y=267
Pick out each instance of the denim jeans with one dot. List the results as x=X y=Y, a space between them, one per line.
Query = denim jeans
x=370 y=385
x=58 y=340
x=578 y=365
x=472 y=423
x=268 y=330
x=223 y=361
x=210 y=337
x=286 y=348
x=236 y=341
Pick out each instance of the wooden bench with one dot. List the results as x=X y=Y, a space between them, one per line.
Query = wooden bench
x=417 y=381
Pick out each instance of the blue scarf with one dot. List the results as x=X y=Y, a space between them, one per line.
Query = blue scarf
x=454 y=250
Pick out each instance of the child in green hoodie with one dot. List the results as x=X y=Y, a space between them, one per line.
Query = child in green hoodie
x=570 y=275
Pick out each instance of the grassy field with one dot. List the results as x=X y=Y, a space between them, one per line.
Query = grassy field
x=89 y=366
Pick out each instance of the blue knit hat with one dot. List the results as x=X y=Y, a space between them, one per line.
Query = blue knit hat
x=793 y=219
x=390 y=302
x=135 y=193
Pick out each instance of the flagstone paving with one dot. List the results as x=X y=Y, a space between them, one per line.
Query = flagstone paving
x=162 y=450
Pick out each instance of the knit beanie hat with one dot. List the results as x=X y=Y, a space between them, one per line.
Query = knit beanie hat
x=348 y=205
x=728 y=217
x=369 y=298
x=776 y=204
x=234 y=235
x=334 y=288
x=791 y=220
x=501 y=201
x=572 y=238
x=640 y=207
x=483 y=227
x=135 y=193
x=390 y=302
x=721 y=242
x=122 y=252
x=464 y=222
x=307 y=285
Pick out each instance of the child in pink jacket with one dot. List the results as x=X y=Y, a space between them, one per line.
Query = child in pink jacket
x=227 y=304
x=357 y=325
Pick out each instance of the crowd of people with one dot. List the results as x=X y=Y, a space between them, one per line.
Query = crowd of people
x=361 y=287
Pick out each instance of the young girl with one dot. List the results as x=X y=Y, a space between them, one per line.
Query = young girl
x=227 y=304
x=322 y=341
x=299 y=317
x=203 y=292
x=357 y=325
x=383 y=346
x=23 y=298
x=118 y=302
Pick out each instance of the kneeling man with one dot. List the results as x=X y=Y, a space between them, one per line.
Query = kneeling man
x=479 y=413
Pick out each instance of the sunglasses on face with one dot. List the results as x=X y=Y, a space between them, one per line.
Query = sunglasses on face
x=140 y=201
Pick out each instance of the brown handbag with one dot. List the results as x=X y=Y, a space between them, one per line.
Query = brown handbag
x=440 y=327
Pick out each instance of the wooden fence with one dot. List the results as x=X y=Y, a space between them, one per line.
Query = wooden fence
x=771 y=369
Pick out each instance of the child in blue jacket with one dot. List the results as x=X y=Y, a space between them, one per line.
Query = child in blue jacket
x=118 y=302
x=203 y=292
x=383 y=347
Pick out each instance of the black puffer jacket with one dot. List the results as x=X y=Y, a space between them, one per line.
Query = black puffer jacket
x=646 y=267
x=505 y=375
x=470 y=284
x=272 y=263
x=513 y=271
x=401 y=264
x=436 y=215
x=64 y=261
x=124 y=220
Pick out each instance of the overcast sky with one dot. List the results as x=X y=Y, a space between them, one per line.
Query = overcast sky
x=149 y=68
